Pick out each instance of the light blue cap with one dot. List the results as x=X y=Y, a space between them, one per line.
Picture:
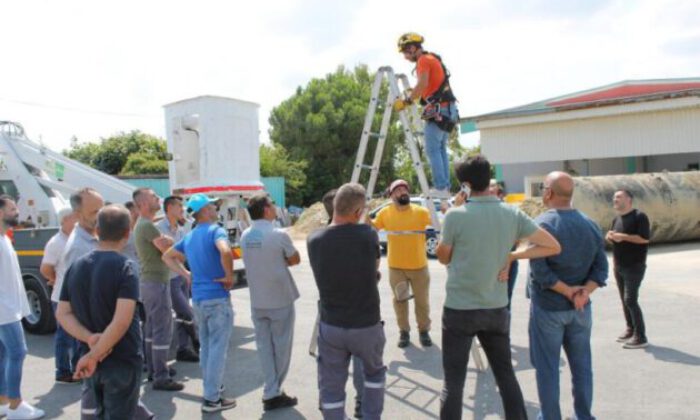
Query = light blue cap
x=198 y=201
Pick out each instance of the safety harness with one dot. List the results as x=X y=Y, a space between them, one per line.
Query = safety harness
x=432 y=104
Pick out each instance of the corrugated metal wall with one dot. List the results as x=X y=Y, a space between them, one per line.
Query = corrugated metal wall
x=273 y=185
x=639 y=134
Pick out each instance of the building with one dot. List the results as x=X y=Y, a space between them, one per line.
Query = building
x=626 y=127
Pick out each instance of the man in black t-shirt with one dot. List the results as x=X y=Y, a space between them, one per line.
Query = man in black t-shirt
x=630 y=235
x=97 y=306
x=344 y=258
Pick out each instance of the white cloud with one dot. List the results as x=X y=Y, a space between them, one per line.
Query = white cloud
x=131 y=57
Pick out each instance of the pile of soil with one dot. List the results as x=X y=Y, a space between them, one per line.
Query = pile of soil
x=312 y=218
x=533 y=207
x=315 y=217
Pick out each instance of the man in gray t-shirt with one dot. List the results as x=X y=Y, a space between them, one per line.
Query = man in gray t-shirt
x=268 y=252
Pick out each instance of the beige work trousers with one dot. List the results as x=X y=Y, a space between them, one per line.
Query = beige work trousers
x=419 y=280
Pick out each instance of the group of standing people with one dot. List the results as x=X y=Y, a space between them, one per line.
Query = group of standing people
x=568 y=264
x=99 y=290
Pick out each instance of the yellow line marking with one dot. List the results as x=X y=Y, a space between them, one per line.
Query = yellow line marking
x=31 y=253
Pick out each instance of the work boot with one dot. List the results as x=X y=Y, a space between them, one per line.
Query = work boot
x=187 y=355
x=425 y=340
x=171 y=372
x=281 y=401
x=358 y=408
x=168 y=385
x=404 y=339
x=625 y=336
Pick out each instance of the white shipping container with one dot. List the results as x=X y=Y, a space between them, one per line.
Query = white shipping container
x=214 y=142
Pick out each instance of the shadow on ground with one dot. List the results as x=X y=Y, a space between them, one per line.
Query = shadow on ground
x=670 y=355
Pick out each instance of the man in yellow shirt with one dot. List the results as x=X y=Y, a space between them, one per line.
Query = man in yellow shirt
x=405 y=224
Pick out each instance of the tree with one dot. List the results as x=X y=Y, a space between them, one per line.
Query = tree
x=142 y=163
x=322 y=123
x=111 y=154
x=275 y=161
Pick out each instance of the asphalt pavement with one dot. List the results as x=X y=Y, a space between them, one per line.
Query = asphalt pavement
x=659 y=382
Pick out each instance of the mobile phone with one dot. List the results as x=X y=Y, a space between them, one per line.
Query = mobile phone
x=465 y=189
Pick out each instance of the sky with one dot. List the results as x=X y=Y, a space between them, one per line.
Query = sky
x=93 y=68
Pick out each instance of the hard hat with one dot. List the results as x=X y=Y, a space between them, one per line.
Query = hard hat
x=398 y=183
x=409 y=38
x=198 y=201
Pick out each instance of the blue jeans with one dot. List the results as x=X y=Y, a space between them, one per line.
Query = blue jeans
x=215 y=321
x=65 y=350
x=549 y=332
x=13 y=349
x=436 y=148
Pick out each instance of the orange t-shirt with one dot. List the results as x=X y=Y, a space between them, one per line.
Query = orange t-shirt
x=428 y=63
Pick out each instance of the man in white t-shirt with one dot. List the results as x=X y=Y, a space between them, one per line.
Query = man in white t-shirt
x=13 y=307
x=65 y=346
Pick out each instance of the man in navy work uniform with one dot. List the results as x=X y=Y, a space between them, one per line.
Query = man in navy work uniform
x=344 y=258
x=560 y=286
x=98 y=307
x=208 y=252
x=629 y=235
x=268 y=252
x=155 y=290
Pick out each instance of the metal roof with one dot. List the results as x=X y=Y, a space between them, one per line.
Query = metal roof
x=627 y=91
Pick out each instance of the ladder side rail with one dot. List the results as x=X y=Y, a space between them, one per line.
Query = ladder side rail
x=383 y=133
x=367 y=127
x=417 y=125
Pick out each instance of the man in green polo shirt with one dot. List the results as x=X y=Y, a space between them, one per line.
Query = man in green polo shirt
x=476 y=247
x=155 y=290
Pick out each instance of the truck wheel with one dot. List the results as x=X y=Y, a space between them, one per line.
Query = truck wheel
x=40 y=319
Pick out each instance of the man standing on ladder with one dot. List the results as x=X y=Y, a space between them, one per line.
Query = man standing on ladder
x=439 y=107
x=408 y=264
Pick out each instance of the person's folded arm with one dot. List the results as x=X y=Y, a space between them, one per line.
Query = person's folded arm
x=66 y=317
x=635 y=239
x=444 y=253
x=542 y=274
x=49 y=272
x=175 y=260
x=598 y=273
x=542 y=244
x=123 y=317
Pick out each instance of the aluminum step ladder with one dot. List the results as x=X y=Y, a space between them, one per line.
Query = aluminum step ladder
x=412 y=126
